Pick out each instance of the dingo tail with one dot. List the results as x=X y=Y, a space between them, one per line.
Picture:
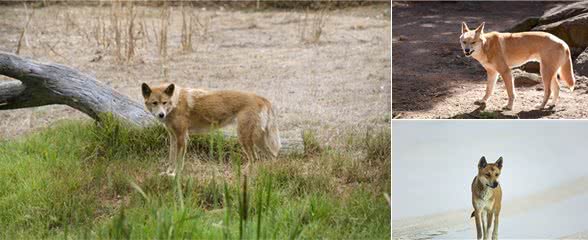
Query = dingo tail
x=272 y=134
x=566 y=72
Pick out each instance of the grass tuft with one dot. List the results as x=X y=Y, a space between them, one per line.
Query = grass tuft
x=311 y=144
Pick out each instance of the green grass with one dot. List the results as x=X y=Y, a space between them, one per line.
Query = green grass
x=82 y=180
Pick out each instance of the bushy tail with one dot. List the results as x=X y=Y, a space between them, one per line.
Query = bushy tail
x=566 y=72
x=272 y=134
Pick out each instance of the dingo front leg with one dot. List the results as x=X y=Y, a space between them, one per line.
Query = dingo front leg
x=488 y=224
x=478 y=218
x=495 y=230
x=172 y=153
x=510 y=90
x=492 y=76
x=181 y=146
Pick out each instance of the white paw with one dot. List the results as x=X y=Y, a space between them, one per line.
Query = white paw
x=539 y=107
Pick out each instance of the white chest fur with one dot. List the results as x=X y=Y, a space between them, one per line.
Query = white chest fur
x=485 y=200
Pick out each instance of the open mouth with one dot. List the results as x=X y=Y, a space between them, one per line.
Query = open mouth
x=469 y=53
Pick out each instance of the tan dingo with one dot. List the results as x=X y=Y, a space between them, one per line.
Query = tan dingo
x=499 y=52
x=185 y=110
x=487 y=197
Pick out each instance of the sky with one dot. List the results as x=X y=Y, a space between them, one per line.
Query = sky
x=435 y=161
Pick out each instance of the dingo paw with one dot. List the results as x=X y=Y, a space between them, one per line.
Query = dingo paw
x=480 y=102
x=507 y=108
x=169 y=172
x=539 y=107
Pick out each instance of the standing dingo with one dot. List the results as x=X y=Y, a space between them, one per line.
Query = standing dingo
x=185 y=110
x=487 y=197
x=499 y=52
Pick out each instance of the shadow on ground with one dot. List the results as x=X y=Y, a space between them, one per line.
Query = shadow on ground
x=479 y=113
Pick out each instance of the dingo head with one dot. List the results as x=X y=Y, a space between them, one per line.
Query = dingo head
x=488 y=173
x=158 y=100
x=471 y=41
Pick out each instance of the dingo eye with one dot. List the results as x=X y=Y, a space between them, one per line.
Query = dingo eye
x=464 y=42
x=474 y=42
x=487 y=174
x=154 y=103
x=164 y=103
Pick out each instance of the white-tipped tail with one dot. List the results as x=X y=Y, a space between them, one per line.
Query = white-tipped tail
x=272 y=134
x=566 y=72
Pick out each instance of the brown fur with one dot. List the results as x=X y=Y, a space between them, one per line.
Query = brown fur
x=198 y=111
x=499 y=52
x=487 y=198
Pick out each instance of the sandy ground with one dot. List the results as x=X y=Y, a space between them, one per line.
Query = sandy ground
x=433 y=79
x=336 y=85
x=544 y=183
x=450 y=225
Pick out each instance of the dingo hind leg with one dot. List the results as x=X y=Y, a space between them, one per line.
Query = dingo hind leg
x=548 y=73
x=510 y=90
x=555 y=90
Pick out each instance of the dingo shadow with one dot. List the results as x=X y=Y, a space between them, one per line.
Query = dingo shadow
x=479 y=113
x=532 y=114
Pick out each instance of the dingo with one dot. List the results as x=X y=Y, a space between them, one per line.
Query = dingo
x=486 y=197
x=185 y=110
x=499 y=52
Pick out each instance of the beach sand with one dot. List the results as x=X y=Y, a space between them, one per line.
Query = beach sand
x=557 y=212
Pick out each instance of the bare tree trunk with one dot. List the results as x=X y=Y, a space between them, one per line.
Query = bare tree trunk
x=42 y=84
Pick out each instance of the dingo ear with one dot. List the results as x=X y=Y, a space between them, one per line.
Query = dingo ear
x=480 y=29
x=170 y=89
x=464 y=27
x=499 y=163
x=146 y=90
x=482 y=163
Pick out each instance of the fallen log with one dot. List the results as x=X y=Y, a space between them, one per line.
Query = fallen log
x=39 y=84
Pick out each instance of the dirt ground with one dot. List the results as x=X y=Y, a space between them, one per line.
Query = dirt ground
x=433 y=79
x=339 y=84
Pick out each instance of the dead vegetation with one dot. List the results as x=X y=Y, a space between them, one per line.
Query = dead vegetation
x=125 y=43
x=312 y=24
x=23 y=36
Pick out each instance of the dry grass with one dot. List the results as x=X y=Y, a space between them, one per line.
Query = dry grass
x=342 y=83
x=311 y=25
x=23 y=36
x=187 y=29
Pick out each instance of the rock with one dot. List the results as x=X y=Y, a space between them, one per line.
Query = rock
x=556 y=14
x=573 y=30
x=581 y=64
x=567 y=21
x=525 y=79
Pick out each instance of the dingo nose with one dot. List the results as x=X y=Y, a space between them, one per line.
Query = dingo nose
x=467 y=50
x=161 y=115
